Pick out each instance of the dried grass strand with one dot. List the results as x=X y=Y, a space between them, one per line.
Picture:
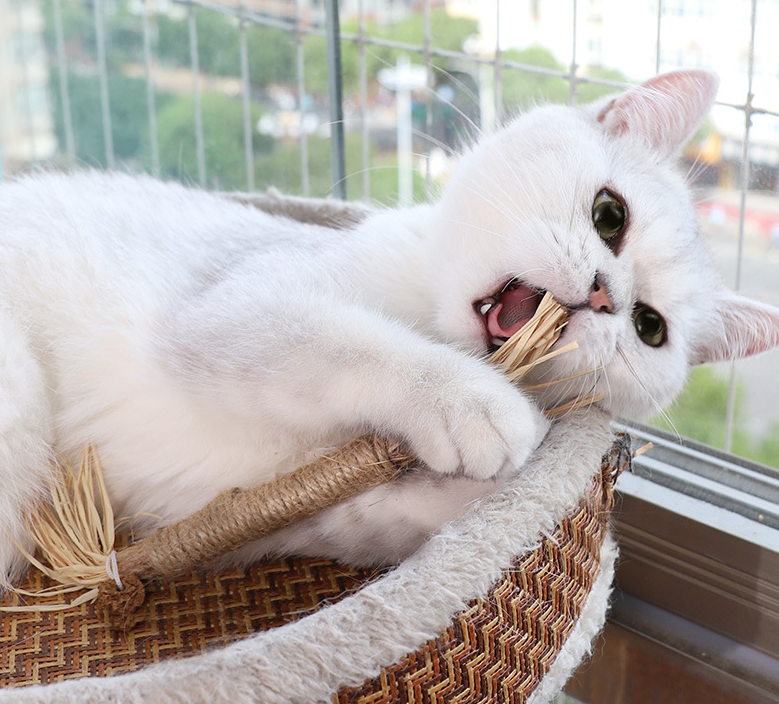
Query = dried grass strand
x=75 y=534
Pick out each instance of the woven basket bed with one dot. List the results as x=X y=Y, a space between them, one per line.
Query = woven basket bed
x=500 y=606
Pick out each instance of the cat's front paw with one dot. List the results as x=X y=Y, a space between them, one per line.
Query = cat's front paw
x=467 y=418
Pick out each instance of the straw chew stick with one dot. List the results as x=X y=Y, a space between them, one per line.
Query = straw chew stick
x=525 y=348
x=237 y=517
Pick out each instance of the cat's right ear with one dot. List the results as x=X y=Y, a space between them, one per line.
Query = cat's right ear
x=664 y=111
x=742 y=327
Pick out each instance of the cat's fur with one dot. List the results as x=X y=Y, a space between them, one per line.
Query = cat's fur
x=204 y=345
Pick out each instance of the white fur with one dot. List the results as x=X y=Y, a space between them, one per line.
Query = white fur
x=203 y=345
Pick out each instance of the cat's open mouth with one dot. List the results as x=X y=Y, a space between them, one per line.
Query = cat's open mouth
x=506 y=311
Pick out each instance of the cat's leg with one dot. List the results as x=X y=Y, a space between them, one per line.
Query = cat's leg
x=316 y=368
x=25 y=456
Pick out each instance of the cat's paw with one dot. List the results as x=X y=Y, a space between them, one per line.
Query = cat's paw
x=467 y=418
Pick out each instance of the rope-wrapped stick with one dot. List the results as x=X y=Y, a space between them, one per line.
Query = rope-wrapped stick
x=239 y=516
x=80 y=553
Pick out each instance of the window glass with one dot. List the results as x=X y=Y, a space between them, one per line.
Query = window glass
x=747 y=255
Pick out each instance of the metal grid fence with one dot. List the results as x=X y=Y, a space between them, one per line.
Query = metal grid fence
x=244 y=17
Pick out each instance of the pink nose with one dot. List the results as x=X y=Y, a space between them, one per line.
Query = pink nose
x=599 y=299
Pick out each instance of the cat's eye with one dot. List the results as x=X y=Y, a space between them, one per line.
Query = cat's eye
x=608 y=216
x=650 y=325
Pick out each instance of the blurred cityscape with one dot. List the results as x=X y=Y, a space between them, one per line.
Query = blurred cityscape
x=139 y=84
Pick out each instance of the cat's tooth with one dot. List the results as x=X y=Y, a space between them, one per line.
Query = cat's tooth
x=485 y=307
x=498 y=341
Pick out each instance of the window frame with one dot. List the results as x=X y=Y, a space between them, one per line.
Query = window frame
x=703 y=550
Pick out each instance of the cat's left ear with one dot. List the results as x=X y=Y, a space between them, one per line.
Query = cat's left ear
x=665 y=111
x=743 y=327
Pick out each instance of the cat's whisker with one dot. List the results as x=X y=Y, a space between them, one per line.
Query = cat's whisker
x=519 y=184
x=524 y=187
x=696 y=168
x=652 y=399
x=522 y=275
x=582 y=390
x=460 y=84
x=605 y=377
x=585 y=398
x=448 y=149
x=555 y=382
x=369 y=169
x=478 y=130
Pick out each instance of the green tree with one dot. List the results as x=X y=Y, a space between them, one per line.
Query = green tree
x=700 y=411
x=523 y=89
x=128 y=110
x=446 y=32
x=216 y=36
x=124 y=36
x=315 y=57
x=123 y=31
x=587 y=92
x=223 y=134
x=271 y=53
x=78 y=25
x=270 y=50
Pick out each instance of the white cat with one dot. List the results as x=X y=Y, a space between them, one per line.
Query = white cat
x=203 y=345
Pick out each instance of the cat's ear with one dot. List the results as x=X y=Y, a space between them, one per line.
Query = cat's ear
x=743 y=327
x=665 y=111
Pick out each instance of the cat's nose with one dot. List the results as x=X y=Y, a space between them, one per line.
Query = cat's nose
x=599 y=297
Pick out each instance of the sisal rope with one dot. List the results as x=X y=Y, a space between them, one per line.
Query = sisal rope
x=237 y=516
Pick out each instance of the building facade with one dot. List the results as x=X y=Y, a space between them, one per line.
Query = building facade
x=26 y=128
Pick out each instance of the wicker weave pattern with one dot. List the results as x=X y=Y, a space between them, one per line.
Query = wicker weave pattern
x=501 y=647
x=496 y=651
x=183 y=617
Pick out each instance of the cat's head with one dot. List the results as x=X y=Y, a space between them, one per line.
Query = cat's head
x=587 y=203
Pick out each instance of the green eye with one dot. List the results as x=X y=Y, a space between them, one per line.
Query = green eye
x=608 y=215
x=649 y=325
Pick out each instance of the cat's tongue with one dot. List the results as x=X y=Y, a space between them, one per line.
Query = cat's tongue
x=516 y=307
